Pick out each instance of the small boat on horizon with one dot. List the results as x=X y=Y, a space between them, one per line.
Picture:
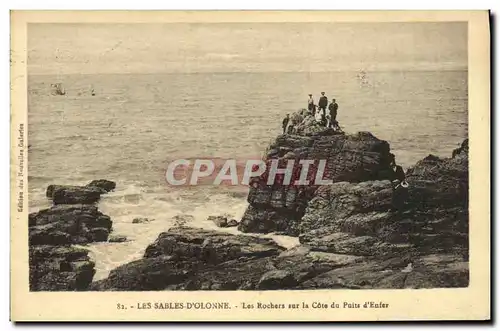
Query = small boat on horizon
x=363 y=78
x=59 y=89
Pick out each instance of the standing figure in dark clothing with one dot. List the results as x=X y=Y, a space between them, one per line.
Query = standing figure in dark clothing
x=332 y=108
x=400 y=194
x=323 y=103
x=324 y=120
x=285 y=122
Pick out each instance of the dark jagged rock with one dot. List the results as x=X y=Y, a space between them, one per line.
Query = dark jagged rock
x=83 y=223
x=140 y=220
x=462 y=151
x=59 y=268
x=339 y=205
x=48 y=235
x=220 y=221
x=351 y=158
x=117 y=239
x=71 y=194
x=232 y=223
x=197 y=259
x=65 y=194
x=150 y=274
x=182 y=219
x=361 y=219
x=98 y=234
x=397 y=272
x=437 y=182
x=440 y=270
x=54 y=264
x=210 y=246
x=276 y=280
x=178 y=255
x=223 y=222
x=103 y=184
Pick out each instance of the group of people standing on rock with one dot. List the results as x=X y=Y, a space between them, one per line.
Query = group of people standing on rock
x=319 y=113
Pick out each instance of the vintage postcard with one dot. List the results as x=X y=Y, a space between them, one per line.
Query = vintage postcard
x=250 y=166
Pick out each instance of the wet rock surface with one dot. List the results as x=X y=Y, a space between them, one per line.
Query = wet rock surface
x=223 y=221
x=117 y=239
x=141 y=220
x=71 y=194
x=178 y=256
x=59 y=268
x=103 y=184
x=81 y=223
x=54 y=263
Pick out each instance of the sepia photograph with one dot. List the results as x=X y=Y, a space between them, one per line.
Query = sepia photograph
x=246 y=156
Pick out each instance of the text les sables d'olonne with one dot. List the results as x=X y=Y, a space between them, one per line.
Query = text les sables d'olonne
x=257 y=305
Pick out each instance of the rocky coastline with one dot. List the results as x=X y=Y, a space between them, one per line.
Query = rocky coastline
x=363 y=231
x=56 y=261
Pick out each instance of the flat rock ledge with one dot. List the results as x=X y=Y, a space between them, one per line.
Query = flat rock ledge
x=197 y=259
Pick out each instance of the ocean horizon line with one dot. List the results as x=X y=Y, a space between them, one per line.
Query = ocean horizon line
x=247 y=72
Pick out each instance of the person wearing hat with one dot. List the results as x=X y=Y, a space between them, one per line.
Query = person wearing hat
x=323 y=103
x=332 y=108
x=310 y=104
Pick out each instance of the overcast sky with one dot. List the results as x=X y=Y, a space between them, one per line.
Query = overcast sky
x=241 y=47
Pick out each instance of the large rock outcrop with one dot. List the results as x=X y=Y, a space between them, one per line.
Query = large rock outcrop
x=428 y=226
x=351 y=158
x=56 y=265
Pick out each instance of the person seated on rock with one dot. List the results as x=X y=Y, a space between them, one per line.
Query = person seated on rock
x=392 y=160
x=285 y=122
x=399 y=173
x=290 y=129
x=399 y=195
x=310 y=104
x=323 y=102
x=332 y=108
